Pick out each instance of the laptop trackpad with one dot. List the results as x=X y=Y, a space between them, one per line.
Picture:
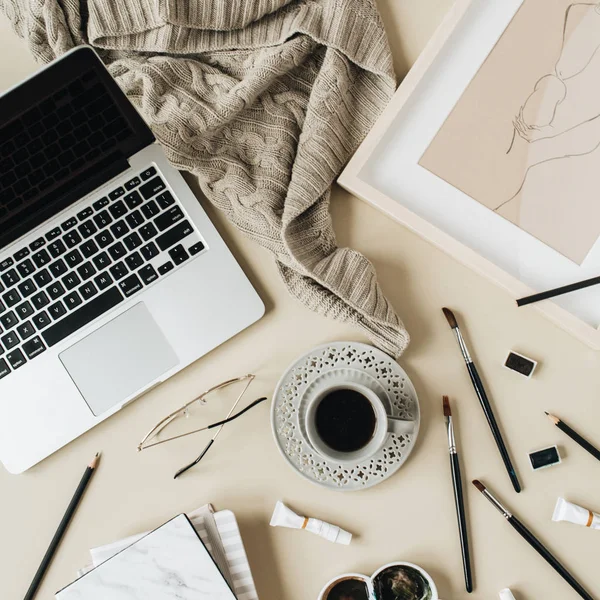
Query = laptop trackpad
x=119 y=359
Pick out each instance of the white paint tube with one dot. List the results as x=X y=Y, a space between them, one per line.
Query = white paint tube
x=567 y=511
x=506 y=594
x=285 y=517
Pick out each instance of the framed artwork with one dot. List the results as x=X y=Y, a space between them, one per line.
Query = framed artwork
x=490 y=149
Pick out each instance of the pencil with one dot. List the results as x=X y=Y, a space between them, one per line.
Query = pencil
x=534 y=542
x=565 y=289
x=575 y=436
x=62 y=528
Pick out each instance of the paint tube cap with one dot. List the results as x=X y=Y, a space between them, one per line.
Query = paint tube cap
x=506 y=594
x=343 y=538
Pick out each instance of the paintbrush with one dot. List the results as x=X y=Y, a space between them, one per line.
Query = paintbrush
x=458 y=496
x=483 y=399
x=575 y=436
x=534 y=542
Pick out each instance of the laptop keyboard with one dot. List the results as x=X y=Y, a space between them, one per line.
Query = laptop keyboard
x=75 y=272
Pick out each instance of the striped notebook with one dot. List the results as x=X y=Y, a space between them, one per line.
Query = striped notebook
x=221 y=535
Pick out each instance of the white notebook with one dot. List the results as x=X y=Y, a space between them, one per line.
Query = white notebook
x=169 y=563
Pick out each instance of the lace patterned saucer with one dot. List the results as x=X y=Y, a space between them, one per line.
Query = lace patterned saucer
x=303 y=379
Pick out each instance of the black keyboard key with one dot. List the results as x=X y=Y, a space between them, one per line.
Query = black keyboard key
x=2 y=307
x=56 y=248
x=152 y=187
x=72 y=239
x=102 y=261
x=103 y=219
x=40 y=300
x=41 y=258
x=118 y=209
x=37 y=244
x=118 y=270
x=6 y=263
x=134 y=219
x=197 y=247
x=25 y=268
x=21 y=254
x=100 y=204
x=71 y=280
x=148 y=274
x=11 y=277
x=42 y=278
x=168 y=218
x=103 y=280
x=10 y=340
x=132 y=241
x=69 y=224
x=86 y=213
x=174 y=235
x=81 y=317
x=56 y=290
x=24 y=310
x=132 y=183
x=132 y=200
x=131 y=285
x=87 y=229
x=134 y=261
x=26 y=288
x=149 y=251
x=116 y=193
x=73 y=258
x=53 y=233
x=150 y=209
x=16 y=359
x=57 y=310
x=33 y=347
x=11 y=298
x=165 y=200
x=9 y=320
x=104 y=238
x=148 y=231
x=163 y=269
x=119 y=229
x=145 y=175
x=4 y=368
x=178 y=254
x=86 y=270
x=58 y=267
x=41 y=320
x=88 y=248
x=87 y=290
x=72 y=300
x=25 y=330
x=117 y=251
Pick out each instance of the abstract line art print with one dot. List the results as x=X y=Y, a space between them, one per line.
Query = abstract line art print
x=524 y=138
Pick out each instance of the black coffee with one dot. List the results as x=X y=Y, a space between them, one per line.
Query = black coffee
x=345 y=420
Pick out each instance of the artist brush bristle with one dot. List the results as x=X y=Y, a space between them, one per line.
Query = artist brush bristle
x=450 y=317
x=446 y=402
x=479 y=485
x=554 y=419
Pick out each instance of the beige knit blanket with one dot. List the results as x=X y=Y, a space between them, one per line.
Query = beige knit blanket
x=264 y=101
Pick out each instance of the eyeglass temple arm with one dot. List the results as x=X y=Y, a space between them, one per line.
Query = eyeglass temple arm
x=224 y=421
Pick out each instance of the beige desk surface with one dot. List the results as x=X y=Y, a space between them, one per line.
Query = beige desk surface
x=409 y=517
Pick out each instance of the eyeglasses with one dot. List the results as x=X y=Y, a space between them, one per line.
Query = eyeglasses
x=185 y=411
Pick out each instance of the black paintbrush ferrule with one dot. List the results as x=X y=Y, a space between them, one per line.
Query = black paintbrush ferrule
x=579 y=439
x=549 y=557
x=462 y=521
x=491 y=419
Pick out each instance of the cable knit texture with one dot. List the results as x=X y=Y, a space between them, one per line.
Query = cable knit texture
x=264 y=101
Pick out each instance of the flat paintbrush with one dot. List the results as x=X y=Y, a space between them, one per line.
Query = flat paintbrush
x=458 y=496
x=534 y=542
x=483 y=399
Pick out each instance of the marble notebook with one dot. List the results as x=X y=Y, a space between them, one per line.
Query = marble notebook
x=167 y=564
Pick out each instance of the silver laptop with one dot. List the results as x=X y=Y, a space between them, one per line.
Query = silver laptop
x=112 y=277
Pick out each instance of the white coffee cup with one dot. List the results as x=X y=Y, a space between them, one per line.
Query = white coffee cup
x=384 y=425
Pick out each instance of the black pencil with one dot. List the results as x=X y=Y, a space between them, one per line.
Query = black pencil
x=483 y=399
x=565 y=289
x=534 y=542
x=575 y=436
x=62 y=528
x=458 y=497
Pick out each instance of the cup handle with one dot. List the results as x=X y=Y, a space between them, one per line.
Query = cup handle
x=400 y=426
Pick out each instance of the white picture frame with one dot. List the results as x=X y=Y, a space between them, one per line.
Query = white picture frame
x=385 y=172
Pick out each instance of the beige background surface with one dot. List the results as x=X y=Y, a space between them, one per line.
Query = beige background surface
x=409 y=517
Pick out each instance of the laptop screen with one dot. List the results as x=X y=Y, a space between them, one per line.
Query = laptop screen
x=62 y=134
